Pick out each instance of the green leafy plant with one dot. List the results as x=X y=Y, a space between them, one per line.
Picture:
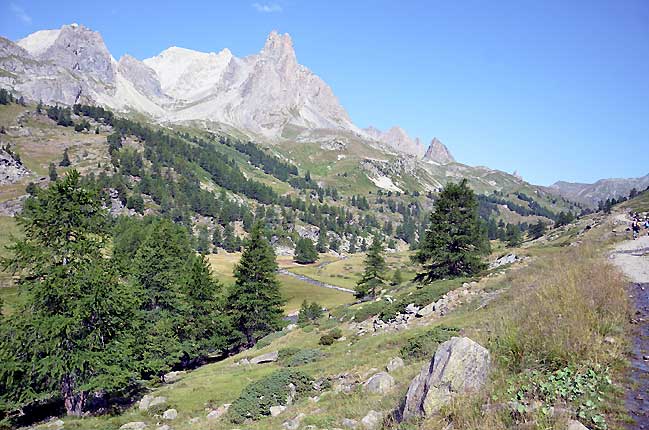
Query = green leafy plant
x=425 y=344
x=273 y=390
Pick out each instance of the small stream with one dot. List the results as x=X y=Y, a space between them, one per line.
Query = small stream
x=637 y=398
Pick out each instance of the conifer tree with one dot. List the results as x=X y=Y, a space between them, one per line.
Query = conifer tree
x=65 y=161
x=322 y=244
x=513 y=236
x=71 y=335
x=53 y=174
x=230 y=241
x=454 y=241
x=305 y=252
x=537 y=230
x=397 y=278
x=374 y=274
x=254 y=303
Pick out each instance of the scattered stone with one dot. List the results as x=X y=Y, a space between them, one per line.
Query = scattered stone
x=380 y=383
x=372 y=420
x=217 y=413
x=290 y=327
x=349 y=423
x=172 y=377
x=145 y=402
x=194 y=420
x=276 y=410
x=163 y=427
x=134 y=425
x=576 y=425
x=170 y=414
x=459 y=365
x=55 y=424
x=426 y=310
x=507 y=259
x=394 y=364
x=157 y=401
x=610 y=340
x=265 y=358
x=412 y=308
x=293 y=424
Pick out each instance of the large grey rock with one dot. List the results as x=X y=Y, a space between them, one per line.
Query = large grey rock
x=276 y=410
x=372 y=420
x=170 y=414
x=459 y=366
x=349 y=423
x=426 y=310
x=576 y=425
x=265 y=358
x=172 y=377
x=134 y=425
x=217 y=413
x=294 y=423
x=148 y=401
x=394 y=364
x=380 y=383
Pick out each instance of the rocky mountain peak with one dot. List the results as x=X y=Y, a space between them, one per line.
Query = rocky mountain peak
x=278 y=46
x=397 y=138
x=438 y=152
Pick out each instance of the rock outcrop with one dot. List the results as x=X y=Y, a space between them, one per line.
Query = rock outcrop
x=438 y=153
x=459 y=366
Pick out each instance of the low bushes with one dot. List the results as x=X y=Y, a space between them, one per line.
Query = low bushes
x=293 y=357
x=273 y=390
x=424 y=345
x=330 y=337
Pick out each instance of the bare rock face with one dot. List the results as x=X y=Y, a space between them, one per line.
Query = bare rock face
x=397 y=138
x=11 y=170
x=459 y=366
x=438 y=153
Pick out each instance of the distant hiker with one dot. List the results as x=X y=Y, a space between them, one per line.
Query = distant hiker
x=636 y=229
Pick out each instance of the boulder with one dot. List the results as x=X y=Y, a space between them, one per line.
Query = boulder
x=170 y=414
x=576 y=425
x=293 y=424
x=380 y=383
x=217 y=413
x=133 y=425
x=459 y=366
x=265 y=358
x=349 y=423
x=412 y=308
x=276 y=410
x=173 y=376
x=145 y=402
x=55 y=424
x=372 y=420
x=163 y=427
x=426 y=310
x=394 y=364
x=157 y=401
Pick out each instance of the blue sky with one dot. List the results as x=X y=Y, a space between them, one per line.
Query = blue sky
x=554 y=89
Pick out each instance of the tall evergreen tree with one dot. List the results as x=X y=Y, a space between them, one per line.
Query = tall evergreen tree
x=305 y=252
x=53 y=174
x=322 y=244
x=374 y=274
x=513 y=235
x=254 y=303
x=455 y=240
x=70 y=336
x=537 y=230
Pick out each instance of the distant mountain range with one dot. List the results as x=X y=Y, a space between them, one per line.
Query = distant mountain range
x=591 y=194
x=268 y=95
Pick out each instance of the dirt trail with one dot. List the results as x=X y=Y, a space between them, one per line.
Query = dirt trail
x=632 y=257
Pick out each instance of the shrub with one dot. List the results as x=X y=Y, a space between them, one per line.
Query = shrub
x=327 y=339
x=369 y=310
x=336 y=333
x=293 y=357
x=273 y=390
x=425 y=344
x=309 y=312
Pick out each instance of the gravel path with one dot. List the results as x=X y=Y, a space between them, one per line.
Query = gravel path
x=632 y=257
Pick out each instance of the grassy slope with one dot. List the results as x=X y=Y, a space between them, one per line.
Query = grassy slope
x=563 y=290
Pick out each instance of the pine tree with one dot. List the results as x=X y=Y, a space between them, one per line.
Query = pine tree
x=305 y=252
x=203 y=240
x=71 y=335
x=537 y=230
x=455 y=240
x=374 y=274
x=321 y=246
x=230 y=241
x=217 y=239
x=397 y=278
x=54 y=175
x=65 y=162
x=254 y=303
x=513 y=236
